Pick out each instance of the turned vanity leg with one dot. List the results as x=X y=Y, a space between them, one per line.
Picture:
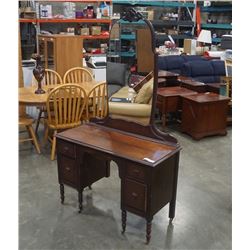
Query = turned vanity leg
x=80 y=200
x=124 y=219
x=62 y=193
x=148 y=230
x=173 y=201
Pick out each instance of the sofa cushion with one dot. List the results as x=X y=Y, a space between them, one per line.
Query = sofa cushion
x=116 y=73
x=195 y=69
x=219 y=67
x=188 y=58
x=145 y=93
x=170 y=63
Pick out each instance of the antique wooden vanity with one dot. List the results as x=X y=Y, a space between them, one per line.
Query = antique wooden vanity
x=147 y=159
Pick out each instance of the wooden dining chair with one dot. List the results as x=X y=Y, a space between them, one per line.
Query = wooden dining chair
x=27 y=122
x=65 y=105
x=78 y=75
x=97 y=104
x=51 y=77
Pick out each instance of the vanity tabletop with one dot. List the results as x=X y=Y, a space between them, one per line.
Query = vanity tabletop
x=119 y=143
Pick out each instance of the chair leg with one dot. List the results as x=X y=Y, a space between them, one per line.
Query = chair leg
x=33 y=136
x=30 y=135
x=46 y=135
x=53 y=150
x=38 y=120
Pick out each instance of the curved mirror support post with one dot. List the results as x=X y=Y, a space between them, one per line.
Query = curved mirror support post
x=132 y=76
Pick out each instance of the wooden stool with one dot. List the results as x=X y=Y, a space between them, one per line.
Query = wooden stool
x=27 y=122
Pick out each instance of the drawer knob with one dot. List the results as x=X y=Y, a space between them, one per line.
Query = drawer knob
x=67 y=168
x=66 y=148
x=135 y=195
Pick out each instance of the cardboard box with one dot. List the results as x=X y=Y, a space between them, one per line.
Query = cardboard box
x=148 y=14
x=84 y=31
x=115 y=32
x=96 y=30
x=172 y=32
x=190 y=46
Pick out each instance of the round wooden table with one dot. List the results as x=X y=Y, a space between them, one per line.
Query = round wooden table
x=28 y=97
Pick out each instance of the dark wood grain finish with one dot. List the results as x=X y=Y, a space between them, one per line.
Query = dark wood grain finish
x=146 y=187
x=149 y=131
x=193 y=85
x=171 y=78
x=214 y=87
x=204 y=115
x=135 y=195
x=169 y=100
x=174 y=91
x=123 y=145
x=207 y=98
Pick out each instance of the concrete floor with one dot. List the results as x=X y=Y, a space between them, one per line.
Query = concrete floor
x=203 y=211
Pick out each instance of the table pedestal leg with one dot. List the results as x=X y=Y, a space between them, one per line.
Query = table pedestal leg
x=124 y=219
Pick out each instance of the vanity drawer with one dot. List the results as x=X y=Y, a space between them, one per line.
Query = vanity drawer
x=68 y=170
x=136 y=172
x=135 y=195
x=66 y=148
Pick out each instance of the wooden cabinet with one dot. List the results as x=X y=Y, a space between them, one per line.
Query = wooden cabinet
x=204 y=114
x=61 y=52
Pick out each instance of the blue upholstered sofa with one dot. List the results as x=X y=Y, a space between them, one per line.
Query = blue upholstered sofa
x=196 y=67
x=209 y=71
x=174 y=63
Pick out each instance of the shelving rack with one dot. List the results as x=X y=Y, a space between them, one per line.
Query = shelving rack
x=37 y=22
x=158 y=24
x=223 y=7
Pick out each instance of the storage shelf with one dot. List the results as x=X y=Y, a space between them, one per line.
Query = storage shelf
x=216 y=9
x=91 y=37
x=94 y=37
x=225 y=26
x=82 y=1
x=155 y=3
x=127 y=22
x=128 y=36
x=127 y=54
x=93 y=20
x=177 y=37
x=172 y=23
x=61 y=20
x=216 y=40
x=27 y=20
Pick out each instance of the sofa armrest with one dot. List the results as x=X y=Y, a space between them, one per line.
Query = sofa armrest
x=130 y=109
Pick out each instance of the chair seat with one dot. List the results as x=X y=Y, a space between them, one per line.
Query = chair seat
x=53 y=125
x=25 y=120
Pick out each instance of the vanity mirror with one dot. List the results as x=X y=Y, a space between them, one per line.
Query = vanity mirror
x=132 y=76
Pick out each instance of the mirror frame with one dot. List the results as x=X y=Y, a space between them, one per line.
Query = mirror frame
x=149 y=130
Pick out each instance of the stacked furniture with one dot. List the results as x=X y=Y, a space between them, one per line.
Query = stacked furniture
x=209 y=71
x=174 y=63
